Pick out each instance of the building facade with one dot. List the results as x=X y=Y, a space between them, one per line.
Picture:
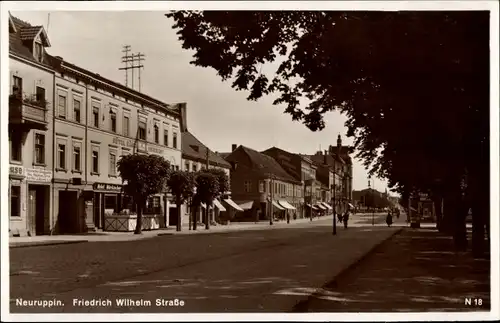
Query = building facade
x=303 y=170
x=78 y=137
x=196 y=156
x=30 y=130
x=261 y=187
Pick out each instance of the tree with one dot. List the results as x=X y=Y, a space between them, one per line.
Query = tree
x=181 y=184
x=142 y=176
x=413 y=85
x=222 y=179
x=207 y=189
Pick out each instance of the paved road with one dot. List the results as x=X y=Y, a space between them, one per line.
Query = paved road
x=257 y=271
x=416 y=270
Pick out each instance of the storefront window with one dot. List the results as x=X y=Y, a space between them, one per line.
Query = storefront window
x=15 y=199
x=110 y=202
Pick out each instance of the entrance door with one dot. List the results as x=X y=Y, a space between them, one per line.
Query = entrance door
x=68 y=217
x=41 y=195
x=32 y=211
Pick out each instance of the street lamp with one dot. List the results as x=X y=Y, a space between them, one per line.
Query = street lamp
x=333 y=205
x=271 y=206
x=372 y=200
x=192 y=218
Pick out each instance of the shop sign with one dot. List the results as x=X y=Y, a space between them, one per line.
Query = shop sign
x=16 y=170
x=107 y=187
x=155 y=150
x=131 y=143
x=38 y=175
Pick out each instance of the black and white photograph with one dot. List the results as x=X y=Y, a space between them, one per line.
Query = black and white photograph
x=259 y=160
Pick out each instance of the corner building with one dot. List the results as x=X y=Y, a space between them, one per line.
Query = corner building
x=96 y=121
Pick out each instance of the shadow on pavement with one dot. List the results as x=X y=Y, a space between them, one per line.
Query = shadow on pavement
x=416 y=270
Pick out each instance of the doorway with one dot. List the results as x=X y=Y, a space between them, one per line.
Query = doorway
x=37 y=195
x=67 y=217
x=172 y=216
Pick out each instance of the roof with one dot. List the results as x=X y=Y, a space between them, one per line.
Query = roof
x=194 y=149
x=330 y=159
x=266 y=165
x=19 y=39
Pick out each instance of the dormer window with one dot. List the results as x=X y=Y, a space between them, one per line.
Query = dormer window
x=38 y=51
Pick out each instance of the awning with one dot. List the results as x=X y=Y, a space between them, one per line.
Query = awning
x=276 y=205
x=350 y=205
x=219 y=206
x=327 y=206
x=320 y=206
x=203 y=205
x=233 y=205
x=246 y=205
x=286 y=205
x=312 y=206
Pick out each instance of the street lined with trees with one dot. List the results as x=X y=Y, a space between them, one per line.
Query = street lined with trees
x=414 y=86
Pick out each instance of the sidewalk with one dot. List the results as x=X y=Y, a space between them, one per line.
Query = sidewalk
x=416 y=270
x=19 y=242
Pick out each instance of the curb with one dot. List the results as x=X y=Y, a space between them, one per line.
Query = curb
x=301 y=306
x=41 y=244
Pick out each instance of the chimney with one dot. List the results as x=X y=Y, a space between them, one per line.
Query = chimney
x=233 y=147
x=183 y=113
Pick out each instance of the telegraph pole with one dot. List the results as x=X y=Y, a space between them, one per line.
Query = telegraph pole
x=132 y=60
x=125 y=59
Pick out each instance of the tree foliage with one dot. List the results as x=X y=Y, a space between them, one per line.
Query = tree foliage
x=207 y=189
x=222 y=178
x=143 y=175
x=181 y=184
x=413 y=85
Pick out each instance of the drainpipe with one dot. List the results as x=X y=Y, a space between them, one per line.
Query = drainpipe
x=53 y=151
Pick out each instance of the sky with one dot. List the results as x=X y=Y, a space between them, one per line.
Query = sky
x=218 y=115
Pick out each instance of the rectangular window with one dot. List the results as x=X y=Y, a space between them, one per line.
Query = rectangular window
x=195 y=168
x=248 y=186
x=142 y=130
x=174 y=142
x=39 y=148
x=126 y=125
x=186 y=166
x=77 y=158
x=61 y=154
x=38 y=51
x=61 y=103
x=95 y=161
x=15 y=201
x=112 y=163
x=165 y=137
x=261 y=186
x=16 y=147
x=76 y=110
x=40 y=94
x=112 y=116
x=177 y=167
x=275 y=188
x=157 y=134
x=17 y=86
x=95 y=115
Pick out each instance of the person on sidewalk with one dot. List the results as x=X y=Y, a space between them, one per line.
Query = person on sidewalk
x=339 y=216
x=346 y=218
x=388 y=219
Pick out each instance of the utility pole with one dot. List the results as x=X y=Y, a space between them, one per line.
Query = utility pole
x=207 y=210
x=132 y=59
x=125 y=59
x=333 y=205
x=272 y=200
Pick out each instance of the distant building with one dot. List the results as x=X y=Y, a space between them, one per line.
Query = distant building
x=302 y=169
x=260 y=185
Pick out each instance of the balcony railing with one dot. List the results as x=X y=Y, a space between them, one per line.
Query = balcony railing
x=28 y=111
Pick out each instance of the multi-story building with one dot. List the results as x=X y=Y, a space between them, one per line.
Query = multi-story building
x=340 y=163
x=325 y=178
x=30 y=130
x=303 y=170
x=91 y=123
x=261 y=186
x=195 y=156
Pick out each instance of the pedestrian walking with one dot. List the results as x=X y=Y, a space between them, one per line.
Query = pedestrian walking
x=346 y=219
x=388 y=219
x=339 y=217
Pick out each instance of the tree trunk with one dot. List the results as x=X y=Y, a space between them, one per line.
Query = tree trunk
x=207 y=216
x=138 y=225
x=195 y=216
x=179 y=214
